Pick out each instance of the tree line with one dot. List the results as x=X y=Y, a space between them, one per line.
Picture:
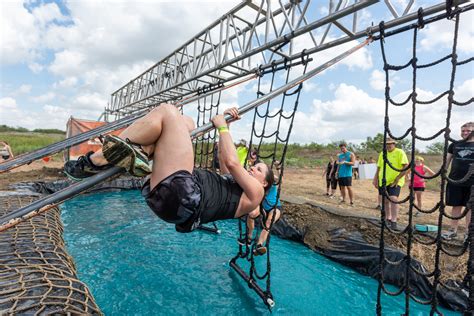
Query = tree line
x=6 y=128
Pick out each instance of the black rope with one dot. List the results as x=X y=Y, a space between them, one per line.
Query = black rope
x=411 y=236
x=260 y=134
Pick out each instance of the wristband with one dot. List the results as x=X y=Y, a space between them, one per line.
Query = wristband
x=223 y=129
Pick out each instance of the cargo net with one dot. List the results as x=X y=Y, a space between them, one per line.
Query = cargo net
x=37 y=276
x=205 y=148
x=437 y=245
x=271 y=130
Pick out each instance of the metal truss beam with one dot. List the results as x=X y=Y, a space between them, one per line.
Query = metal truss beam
x=249 y=35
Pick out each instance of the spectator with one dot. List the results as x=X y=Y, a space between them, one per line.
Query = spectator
x=461 y=157
x=345 y=161
x=355 y=170
x=5 y=151
x=394 y=180
x=330 y=173
x=242 y=151
x=418 y=182
x=371 y=160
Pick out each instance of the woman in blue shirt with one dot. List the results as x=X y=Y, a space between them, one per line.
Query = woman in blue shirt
x=271 y=208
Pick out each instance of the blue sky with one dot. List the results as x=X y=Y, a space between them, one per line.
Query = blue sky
x=63 y=58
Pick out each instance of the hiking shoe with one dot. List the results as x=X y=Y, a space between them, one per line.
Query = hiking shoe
x=351 y=204
x=244 y=241
x=125 y=154
x=450 y=234
x=332 y=196
x=259 y=250
x=82 y=167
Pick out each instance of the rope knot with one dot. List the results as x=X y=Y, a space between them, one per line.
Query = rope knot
x=382 y=30
x=421 y=22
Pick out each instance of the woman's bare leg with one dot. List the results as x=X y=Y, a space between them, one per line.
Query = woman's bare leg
x=165 y=132
x=418 y=198
x=251 y=221
x=264 y=233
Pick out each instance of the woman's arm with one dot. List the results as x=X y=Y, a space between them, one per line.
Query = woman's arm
x=428 y=170
x=253 y=190
x=276 y=174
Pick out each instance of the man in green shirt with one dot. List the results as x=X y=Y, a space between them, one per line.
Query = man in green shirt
x=242 y=151
x=395 y=180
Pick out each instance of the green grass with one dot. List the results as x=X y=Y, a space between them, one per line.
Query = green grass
x=26 y=142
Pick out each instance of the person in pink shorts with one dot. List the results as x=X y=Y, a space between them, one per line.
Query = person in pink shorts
x=419 y=184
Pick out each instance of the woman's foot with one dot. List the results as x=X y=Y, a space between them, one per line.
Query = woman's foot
x=83 y=167
x=259 y=250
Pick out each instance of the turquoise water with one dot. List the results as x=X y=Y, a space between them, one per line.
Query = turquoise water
x=136 y=264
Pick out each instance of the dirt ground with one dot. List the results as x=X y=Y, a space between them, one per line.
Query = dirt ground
x=308 y=185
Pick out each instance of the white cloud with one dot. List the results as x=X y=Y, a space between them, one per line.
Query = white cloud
x=22 y=31
x=68 y=62
x=440 y=35
x=377 y=80
x=49 y=96
x=35 y=67
x=47 y=13
x=68 y=82
x=21 y=90
x=7 y=104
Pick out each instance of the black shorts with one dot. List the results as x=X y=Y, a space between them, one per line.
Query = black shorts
x=345 y=181
x=176 y=200
x=457 y=195
x=6 y=157
x=392 y=191
x=420 y=189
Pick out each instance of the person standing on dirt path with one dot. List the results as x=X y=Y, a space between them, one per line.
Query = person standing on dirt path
x=330 y=173
x=419 y=183
x=461 y=157
x=345 y=161
x=395 y=179
x=355 y=169
x=5 y=151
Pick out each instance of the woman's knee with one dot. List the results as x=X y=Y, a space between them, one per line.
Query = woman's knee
x=163 y=110
x=275 y=213
x=189 y=123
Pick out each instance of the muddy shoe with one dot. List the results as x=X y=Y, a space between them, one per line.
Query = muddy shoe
x=82 y=167
x=450 y=234
x=122 y=153
x=259 y=250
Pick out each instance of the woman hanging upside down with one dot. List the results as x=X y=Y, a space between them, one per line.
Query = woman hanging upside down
x=176 y=191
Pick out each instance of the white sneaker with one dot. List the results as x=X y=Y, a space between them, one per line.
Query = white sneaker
x=450 y=234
